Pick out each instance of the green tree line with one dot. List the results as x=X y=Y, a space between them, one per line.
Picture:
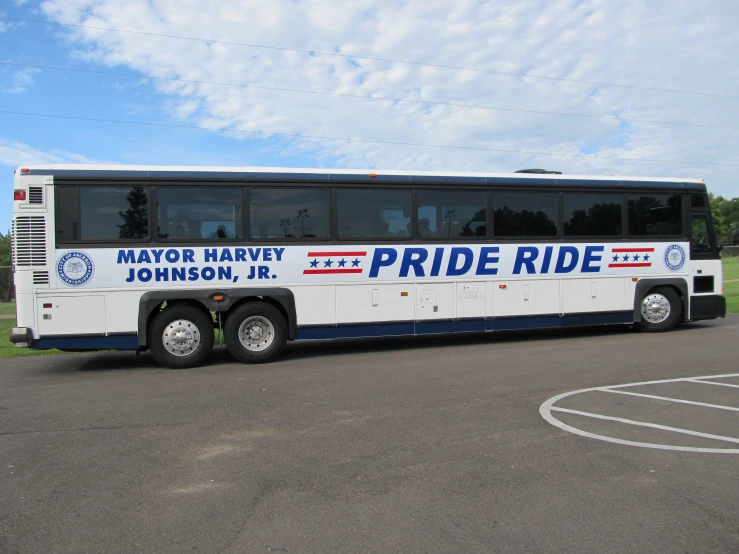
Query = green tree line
x=4 y=249
x=725 y=213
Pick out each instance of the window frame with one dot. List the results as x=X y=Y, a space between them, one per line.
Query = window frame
x=335 y=215
x=417 y=204
x=300 y=240
x=558 y=223
x=587 y=238
x=240 y=223
x=657 y=193
x=103 y=242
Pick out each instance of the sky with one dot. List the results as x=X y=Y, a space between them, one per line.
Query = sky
x=480 y=68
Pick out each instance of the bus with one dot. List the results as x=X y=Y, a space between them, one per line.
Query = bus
x=166 y=259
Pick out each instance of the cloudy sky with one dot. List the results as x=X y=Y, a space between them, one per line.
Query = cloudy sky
x=504 y=60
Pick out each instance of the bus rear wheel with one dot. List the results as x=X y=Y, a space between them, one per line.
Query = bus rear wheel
x=255 y=333
x=659 y=309
x=181 y=337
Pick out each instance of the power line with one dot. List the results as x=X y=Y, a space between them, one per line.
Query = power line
x=382 y=98
x=356 y=140
x=375 y=59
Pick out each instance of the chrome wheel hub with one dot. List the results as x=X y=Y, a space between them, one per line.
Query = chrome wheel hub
x=256 y=333
x=655 y=308
x=181 y=337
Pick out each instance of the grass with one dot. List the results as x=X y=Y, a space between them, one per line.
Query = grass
x=731 y=291
x=731 y=268
x=7 y=350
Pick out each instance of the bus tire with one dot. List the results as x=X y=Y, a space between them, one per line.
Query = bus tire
x=660 y=310
x=181 y=337
x=255 y=333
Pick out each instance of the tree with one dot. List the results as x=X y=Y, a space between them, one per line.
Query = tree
x=136 y=217
x=720 y=207
x=5 y=249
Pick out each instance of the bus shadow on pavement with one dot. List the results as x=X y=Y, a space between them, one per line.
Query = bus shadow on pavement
x=125 y=361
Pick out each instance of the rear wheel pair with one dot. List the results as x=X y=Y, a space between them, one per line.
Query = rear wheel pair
x=183 y=336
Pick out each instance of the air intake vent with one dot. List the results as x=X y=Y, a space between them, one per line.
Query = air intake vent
x=29 y=241
x=35 y=195
x=40 y=277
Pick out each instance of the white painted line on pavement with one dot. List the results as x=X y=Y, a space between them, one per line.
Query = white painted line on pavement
x=548 y=407
x=725 y=376
x=645 y=424
x=702 y=382
x=668 y=399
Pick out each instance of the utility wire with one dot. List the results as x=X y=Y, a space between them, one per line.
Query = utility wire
x=382 y=98
x=375 y=59
x=356 y=140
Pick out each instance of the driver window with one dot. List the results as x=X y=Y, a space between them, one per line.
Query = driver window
x=700 y=242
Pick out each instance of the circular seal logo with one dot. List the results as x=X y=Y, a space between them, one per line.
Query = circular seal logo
x=674 y=257
x=75 y=268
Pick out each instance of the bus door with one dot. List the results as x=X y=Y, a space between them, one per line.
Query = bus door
x=705 y=262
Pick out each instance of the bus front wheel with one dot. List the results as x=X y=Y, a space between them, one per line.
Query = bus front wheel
x=255 y=332
x=181 y=337
x=659 y=309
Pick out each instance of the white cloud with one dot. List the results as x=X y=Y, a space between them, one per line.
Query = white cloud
x=685 y=47
x=20 y=81
x=14 y=154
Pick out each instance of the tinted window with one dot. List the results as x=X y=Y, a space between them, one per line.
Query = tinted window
x=102 y=213
x=698 y=201
x=67 y=213
x=279 y=213
x=700 y=242
x=448 y=213
x=193 y=213
x=592 y=214
x=373 y=214
x=655 y=214
x=525 y=214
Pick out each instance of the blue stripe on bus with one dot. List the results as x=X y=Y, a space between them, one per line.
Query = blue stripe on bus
x=465 y=326
x=117 y=342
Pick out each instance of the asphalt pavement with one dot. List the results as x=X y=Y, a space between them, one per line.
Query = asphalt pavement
x=429 y=444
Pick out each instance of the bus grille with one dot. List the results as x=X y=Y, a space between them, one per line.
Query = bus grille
x=40 y=277
x=29 y=241
x=35 y=195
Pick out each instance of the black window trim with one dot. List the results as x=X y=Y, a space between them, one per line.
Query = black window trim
x=350 y=240
x=476 y=239
x=299 y=240
x=683 y=202
x=240 y=223
x=525 y=238
x=588 y=238
x=102 y=242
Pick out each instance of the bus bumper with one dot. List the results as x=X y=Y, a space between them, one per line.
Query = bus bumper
x=21 y=337
x=707 y=307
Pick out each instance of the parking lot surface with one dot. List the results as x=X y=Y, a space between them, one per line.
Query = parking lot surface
x=404 y=445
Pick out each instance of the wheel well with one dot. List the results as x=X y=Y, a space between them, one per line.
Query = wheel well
x=164 y=304
x=266 y=299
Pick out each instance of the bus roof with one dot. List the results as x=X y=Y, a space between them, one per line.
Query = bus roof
x=345 y=175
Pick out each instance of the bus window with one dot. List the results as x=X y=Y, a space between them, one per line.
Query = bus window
x=373 y=214
x=102 y=213
x=525 y=214
x=448 y=214
x=655 y=214
x=196 y=213
x=700 y=242
x=283 y=213
x=592 y=214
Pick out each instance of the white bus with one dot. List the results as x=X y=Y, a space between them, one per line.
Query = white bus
x=158 y=258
